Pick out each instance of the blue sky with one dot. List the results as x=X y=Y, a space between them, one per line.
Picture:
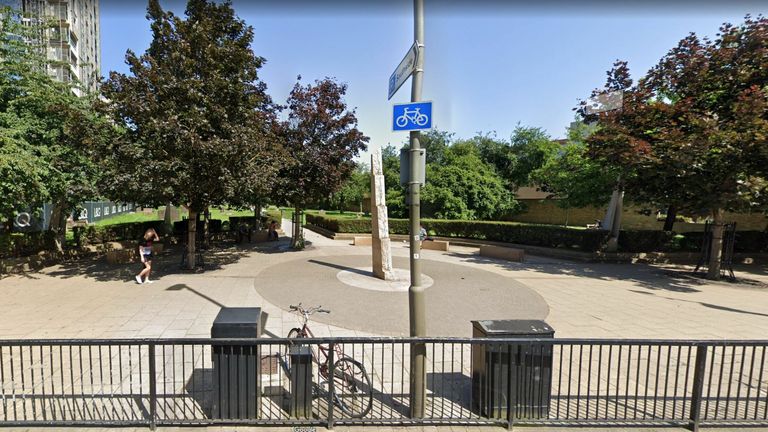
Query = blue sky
x=489 y=66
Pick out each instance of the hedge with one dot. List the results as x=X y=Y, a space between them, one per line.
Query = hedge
x=93 y=234
x=214 y=226
x=550 y=235
x=22 y=244
x=509 y=232
x=660 y=241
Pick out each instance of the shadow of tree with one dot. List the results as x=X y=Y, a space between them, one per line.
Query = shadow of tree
x=642 y=274
x=165 y=263
x=707 y=305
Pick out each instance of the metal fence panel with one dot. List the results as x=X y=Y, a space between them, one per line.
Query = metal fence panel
x=367 y=380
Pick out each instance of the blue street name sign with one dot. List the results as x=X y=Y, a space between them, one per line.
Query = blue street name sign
x=412 y=116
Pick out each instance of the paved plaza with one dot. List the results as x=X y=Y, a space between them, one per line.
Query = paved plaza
x=91 y=299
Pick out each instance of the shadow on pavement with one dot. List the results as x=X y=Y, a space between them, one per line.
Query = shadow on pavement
x=707 y=305
x=642 y=274
x=165 y=263
x=342 y=267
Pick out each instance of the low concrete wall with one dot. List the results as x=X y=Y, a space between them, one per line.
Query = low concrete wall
x=121 y=256
x=438 y=245
x=501 y=252
x=362 y=241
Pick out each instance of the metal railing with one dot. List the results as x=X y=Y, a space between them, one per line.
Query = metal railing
x=469 y=381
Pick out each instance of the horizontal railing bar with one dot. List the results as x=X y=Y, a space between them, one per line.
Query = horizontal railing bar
x=406 y=340
x=6 y=423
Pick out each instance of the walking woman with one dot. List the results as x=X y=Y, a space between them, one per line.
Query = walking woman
x=145 y=252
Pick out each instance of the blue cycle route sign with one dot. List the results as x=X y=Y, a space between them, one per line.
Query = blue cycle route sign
x=412 y=116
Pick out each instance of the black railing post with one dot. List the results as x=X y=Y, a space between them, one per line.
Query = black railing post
x=510 y=413
x=152 y=388
x=698 y=387
x=331 y=386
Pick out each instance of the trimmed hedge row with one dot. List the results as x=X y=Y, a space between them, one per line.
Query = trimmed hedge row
x=550 y=236
x=660 y=241
x=23 y=244
x=93 y=234
x=509 y=232
x=133 y=231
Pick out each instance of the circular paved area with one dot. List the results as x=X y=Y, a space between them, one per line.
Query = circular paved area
x=363 y=278
x=458 y=295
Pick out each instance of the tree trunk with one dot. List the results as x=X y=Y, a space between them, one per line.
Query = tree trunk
x=168 y=219
x=613 y=240
x=58 y=228
x=297 y=241
x=669 y=222
x=257 y=214
x=206 y=228
x=716 y=246
x=191 y=237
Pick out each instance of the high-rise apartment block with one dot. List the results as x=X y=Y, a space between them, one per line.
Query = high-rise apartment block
x=71 y=37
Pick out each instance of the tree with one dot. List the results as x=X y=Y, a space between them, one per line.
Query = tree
x=496 y=153
x=47 y=132
x=197 y=121
x=572 y=176
x=694 y=131
x=390 y=158
x=322 y=140
x=355 y=189
x=463 y=187
x=530 y=148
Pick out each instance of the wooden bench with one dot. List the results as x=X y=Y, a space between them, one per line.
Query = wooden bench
x=362 y=241
x=501 y=252
x=438 y=245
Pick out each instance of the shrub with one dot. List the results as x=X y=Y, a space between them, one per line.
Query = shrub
x=660 y=241
x=22 y=244
x=549 y=235
x=214 y=226
x=529 y=234
x=93 y=234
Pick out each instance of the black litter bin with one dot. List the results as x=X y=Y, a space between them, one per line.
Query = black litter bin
x=517 y=375
x=236 y=389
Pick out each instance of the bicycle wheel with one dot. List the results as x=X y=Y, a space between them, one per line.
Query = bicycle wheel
x=401 y=121
x=285 y=353
x=352 y=387
x=422 y=119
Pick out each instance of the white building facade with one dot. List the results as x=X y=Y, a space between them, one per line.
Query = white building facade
x=72 y=38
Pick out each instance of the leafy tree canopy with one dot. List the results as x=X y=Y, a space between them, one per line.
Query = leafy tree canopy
x=197 y=121
x=48 y=134
x=693 y=132
x=572 y=176
x=322 y=139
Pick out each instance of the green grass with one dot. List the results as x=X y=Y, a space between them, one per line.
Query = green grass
x=128 y=218
x=330 y=214
x=157 y=214
x=226 y=213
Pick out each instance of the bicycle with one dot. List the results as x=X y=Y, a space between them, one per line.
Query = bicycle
x=415 y=116
x=353 y=392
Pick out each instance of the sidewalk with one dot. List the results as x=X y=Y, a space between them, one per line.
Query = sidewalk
x=94 y=299
x=91 y=299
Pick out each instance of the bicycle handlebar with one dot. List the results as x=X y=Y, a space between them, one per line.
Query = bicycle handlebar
x=308 y=311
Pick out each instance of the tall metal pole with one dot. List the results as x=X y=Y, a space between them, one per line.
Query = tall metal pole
x=416 y=290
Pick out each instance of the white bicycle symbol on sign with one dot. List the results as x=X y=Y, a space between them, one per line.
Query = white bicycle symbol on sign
x=414 y=116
